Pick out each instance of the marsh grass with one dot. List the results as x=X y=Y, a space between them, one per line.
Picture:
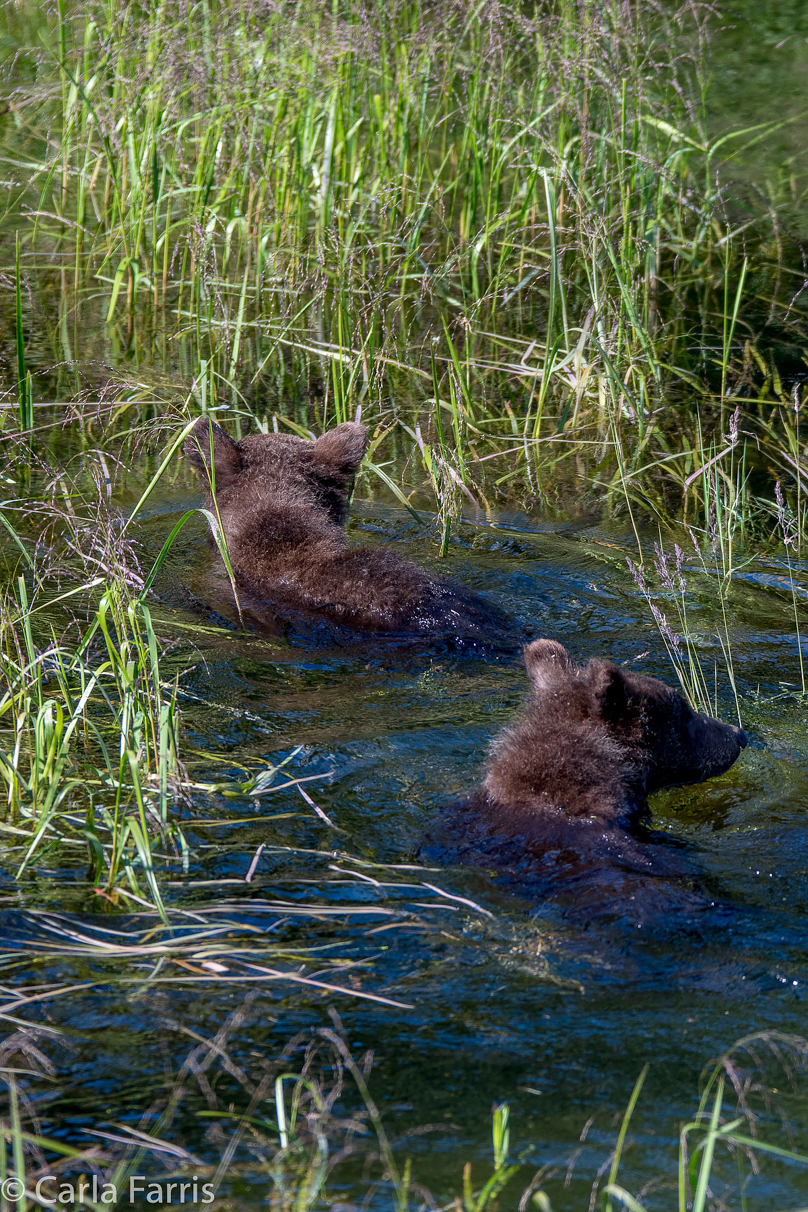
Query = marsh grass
x=719 y=1149
x=89 y=747
x=89 y=751
x=312 y=934
x=681 y=640
x=303 y=1131
x=505 y=238
x=503 y=235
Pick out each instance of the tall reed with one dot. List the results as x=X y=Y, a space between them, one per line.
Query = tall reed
x=517 y=214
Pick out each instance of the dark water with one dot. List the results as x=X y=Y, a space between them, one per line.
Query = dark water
x=515 y=1006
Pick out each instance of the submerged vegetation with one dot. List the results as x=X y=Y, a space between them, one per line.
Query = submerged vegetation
x=300 y=1126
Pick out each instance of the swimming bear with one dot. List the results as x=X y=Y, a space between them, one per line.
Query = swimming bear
x=564 y=797
x=283 y=502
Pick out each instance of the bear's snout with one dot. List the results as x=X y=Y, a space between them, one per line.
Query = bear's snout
x=716 y=746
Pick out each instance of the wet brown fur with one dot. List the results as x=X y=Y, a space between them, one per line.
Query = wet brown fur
x=594 y=741
x=283 y=501
x=565 y=788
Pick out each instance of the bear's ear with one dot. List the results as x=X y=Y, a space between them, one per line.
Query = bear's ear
x=609 y=689
x=341 y=450
x=227 y=459
x=548 y=663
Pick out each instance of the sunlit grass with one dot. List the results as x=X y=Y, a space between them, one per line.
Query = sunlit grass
x=504 y=237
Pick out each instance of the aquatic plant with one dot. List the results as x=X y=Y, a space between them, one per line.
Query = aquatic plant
x=789 y=528
x=682 y=646
x=295 y=1127
x=88 y=756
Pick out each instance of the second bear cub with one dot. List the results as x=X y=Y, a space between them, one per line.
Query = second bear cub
x=594 y=742
x=283 y=502
x=565 y=789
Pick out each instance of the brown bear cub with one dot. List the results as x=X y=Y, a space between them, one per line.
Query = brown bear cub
x=283 y=503
x=565 y=789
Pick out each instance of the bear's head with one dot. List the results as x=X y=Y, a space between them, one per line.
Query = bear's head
x=565 y=788
x=277 y=470
x=664 y=739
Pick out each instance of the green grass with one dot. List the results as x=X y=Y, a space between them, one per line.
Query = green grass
x=89 y=745
x=504 y=233
x=308 y=1134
